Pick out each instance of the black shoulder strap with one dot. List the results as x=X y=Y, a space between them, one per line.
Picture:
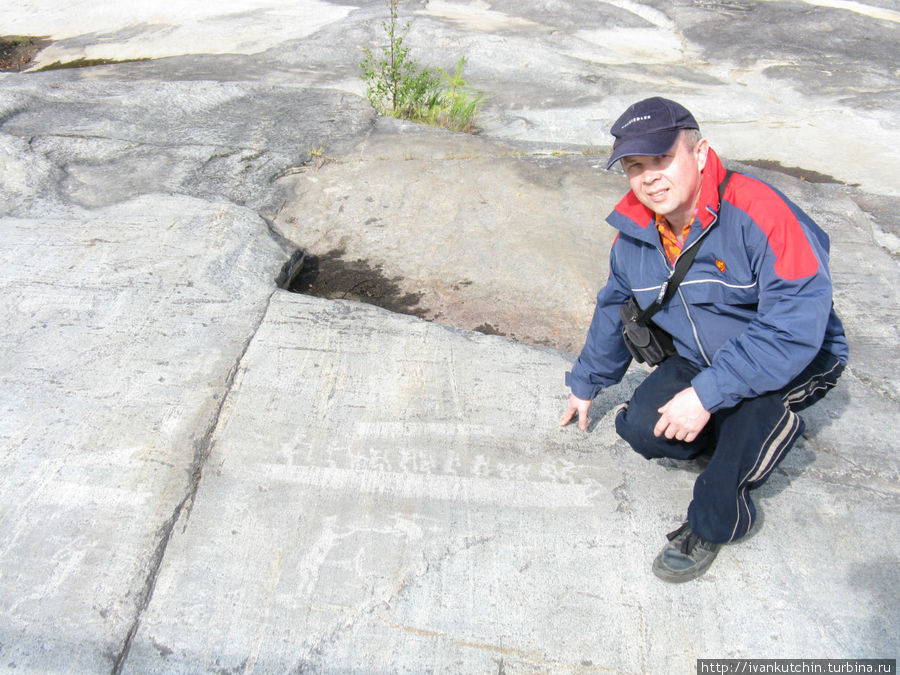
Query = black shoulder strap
x=681 y=267
x=723 y=185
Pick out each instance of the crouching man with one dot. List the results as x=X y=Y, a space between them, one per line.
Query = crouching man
x=754 y=335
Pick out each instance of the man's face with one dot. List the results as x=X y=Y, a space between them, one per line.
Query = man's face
x=668 y=184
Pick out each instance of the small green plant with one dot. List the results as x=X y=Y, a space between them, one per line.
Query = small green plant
x=458 y=104
x=397 y=86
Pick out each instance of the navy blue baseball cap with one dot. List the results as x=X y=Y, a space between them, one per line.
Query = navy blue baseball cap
x=649 y=127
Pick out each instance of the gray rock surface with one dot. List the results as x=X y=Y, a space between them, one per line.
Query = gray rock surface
x=200 y=472
x=428 y=515
x=122 y=328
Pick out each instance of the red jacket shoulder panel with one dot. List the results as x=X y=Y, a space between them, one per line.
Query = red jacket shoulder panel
x=794 y=257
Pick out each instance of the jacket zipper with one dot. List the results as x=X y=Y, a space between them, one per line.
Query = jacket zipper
x=665 y=285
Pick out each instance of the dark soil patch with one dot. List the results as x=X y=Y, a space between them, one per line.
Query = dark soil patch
x=18 y=51
x=333 y=276
x=795 y=171
x=85 y=63
x=489 y=329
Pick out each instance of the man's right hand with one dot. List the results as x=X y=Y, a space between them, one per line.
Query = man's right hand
x=576 y=405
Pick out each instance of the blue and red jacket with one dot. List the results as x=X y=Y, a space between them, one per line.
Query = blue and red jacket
x=753 y=310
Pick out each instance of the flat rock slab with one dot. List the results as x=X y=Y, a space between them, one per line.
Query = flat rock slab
x=475 y=233
x=122 y=327
x=388 y=495
x=96 y=139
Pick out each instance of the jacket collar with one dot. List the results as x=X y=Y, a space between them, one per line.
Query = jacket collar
x=708 y=204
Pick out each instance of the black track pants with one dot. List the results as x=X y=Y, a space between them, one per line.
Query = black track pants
x=747 y=441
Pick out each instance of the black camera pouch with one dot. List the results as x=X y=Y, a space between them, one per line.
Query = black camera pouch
x=647 y=342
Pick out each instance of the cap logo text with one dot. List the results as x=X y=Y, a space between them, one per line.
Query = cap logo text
x=636 y=119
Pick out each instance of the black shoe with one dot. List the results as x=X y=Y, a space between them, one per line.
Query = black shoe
x=685 y=557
